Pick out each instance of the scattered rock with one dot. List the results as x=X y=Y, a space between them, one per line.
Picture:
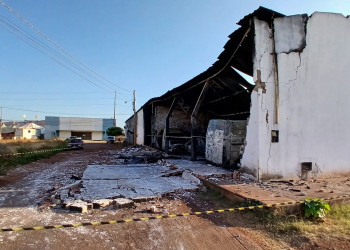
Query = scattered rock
x=75 y=177
x=176 y=173
x=55 y=200
x=248 y=176
x=302 y=194
x=159 y=208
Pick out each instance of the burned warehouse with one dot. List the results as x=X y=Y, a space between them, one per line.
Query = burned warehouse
x=289 y=123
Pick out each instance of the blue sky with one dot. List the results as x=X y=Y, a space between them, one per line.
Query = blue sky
x=149 y=46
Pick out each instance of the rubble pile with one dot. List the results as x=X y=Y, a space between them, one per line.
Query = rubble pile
x=140 y=154
x=138 y=174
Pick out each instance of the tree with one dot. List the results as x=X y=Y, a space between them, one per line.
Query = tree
x=114 y=131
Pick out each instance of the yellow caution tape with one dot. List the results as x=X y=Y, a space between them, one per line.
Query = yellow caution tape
x=35 y=152
x=99 y=223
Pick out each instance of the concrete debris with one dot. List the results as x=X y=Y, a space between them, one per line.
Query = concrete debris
x=123 y=203
x=55 y=199
x=122 y=184
x=248 y=176
x=188 y=176
x=101 y=203
x=75 y=177
x=176 y=173
x=70 y=186
x=67 y=202
x=79 y=206
x=140 y=154
x=158 y=208
x=290 y=182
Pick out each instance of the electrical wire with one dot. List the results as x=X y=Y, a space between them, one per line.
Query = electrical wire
x=41 y=48
x=57 y=46
x=38 y=111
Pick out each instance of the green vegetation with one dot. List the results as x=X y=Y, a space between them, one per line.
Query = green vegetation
x=27 y=152
x=315 y=208
x=283 y=224
x=114 y=131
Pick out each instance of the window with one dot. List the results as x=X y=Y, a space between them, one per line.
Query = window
x=274 y=136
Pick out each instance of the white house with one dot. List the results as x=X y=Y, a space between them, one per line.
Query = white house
x=29 y=131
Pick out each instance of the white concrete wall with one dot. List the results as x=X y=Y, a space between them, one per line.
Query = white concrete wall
x=129 y=127
x=140 y=139
x=29 y=134
x=97 y=136
x=63 y=134
x=313 y=98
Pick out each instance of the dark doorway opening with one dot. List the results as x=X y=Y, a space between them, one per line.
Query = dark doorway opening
x=83 y=135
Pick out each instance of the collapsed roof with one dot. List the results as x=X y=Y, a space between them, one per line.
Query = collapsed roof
x=229 y=94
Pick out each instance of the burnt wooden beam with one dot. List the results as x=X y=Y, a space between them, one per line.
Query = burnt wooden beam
x=194 y=125
x=167 y=125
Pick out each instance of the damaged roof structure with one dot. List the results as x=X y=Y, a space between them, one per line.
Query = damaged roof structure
x=283 y=116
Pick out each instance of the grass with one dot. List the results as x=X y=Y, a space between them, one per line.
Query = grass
x=8 y=162
x=283 y=224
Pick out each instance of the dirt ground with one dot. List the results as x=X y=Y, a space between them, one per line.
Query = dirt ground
x=24 y=190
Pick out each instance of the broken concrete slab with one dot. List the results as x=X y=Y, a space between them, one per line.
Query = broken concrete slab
x=79 y=206
x=137 y=181
x=116 y=172
x=188 y=176
x=200 y=168
x=130 y=181
x=123 y=203
x=101 y=203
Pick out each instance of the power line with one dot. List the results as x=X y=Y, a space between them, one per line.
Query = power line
x=59 y=47
x=43 y=49
x=55 y=92
x=38 y=111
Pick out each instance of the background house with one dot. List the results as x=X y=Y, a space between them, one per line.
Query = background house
x=7 y=133
x=29 y=131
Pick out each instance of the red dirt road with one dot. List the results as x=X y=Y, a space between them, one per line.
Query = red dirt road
x=23 y=188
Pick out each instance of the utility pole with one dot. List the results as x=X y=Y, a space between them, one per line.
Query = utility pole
x=114 y=120
x=135 y=118
x=0 y=123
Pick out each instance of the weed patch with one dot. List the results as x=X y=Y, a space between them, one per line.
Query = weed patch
x=282 y=224
x=28 y=154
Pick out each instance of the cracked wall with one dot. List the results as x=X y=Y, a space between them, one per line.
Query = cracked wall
x=312 y=60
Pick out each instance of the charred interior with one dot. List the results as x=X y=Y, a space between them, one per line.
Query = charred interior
x=177 y=121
